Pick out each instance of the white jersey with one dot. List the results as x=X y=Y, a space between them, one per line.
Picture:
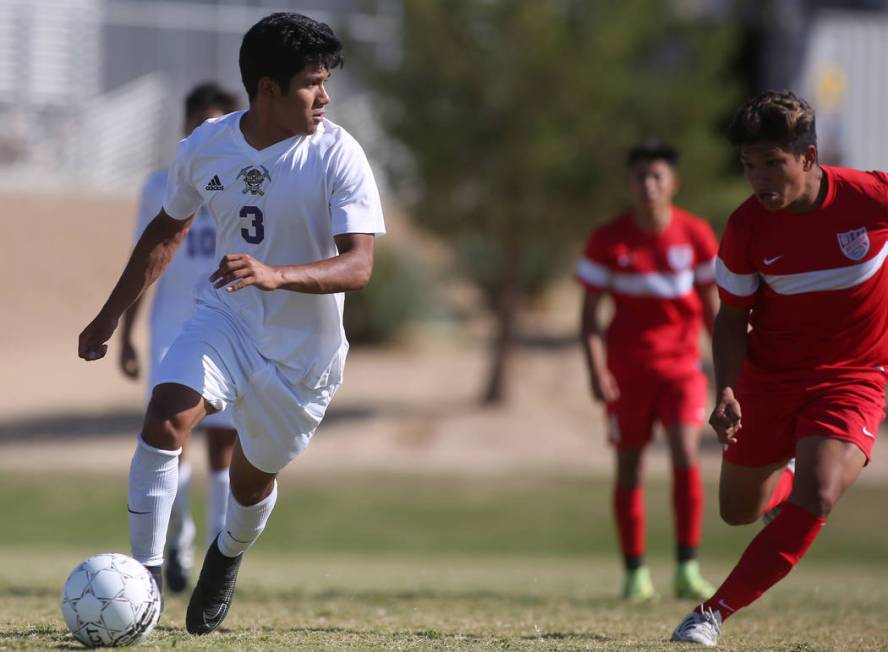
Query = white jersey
x=282 y=205
x=190 y=267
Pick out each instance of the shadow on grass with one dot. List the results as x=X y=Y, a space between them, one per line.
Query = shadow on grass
x=116 y=424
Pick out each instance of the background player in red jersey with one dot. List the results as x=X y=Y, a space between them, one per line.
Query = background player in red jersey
x=657 y=261
x=800 y=345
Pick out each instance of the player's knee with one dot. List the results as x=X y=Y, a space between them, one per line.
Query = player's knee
x=164 y=428
x=733 y=513
x=819 y=503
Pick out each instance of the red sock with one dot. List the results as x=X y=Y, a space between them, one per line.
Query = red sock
x=770 y=556
x=687 y=504
x=629 y=512
x=782 y=490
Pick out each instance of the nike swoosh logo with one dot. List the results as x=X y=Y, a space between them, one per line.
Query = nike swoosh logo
x=769 y=261
x=868 y=433
x=132 y=511
x=724 y=604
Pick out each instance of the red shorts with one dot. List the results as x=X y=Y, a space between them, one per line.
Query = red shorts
x=777 y=415
x=645 y=400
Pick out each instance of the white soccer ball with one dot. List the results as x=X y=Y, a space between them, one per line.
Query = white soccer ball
x=110 y=600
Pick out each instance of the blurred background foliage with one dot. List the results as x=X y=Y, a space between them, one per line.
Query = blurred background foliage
x=516 y=118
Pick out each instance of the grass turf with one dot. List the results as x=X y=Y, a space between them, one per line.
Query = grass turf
x=388 y=563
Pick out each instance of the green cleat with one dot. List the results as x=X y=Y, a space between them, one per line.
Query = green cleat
x=637 y=585
x=689 y=583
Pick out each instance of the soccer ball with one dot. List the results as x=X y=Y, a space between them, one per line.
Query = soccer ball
x=110 y=600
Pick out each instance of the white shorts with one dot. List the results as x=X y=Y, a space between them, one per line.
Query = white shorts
x=221 y=419
x=275 y=419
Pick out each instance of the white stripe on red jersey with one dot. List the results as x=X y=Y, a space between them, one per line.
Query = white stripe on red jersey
x=652 y=278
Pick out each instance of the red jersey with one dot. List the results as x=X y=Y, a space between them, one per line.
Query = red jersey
x=816 y=282
x=653 y=279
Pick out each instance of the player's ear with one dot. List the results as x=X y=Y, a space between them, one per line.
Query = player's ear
x=268 y=87
x=809 y=157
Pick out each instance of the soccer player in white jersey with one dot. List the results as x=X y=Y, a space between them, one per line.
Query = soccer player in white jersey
x=298 y=210
x=172 y=306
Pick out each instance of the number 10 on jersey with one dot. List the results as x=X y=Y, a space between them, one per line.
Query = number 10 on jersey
x=254 y=232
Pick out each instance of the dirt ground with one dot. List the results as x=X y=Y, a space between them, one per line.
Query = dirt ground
x=408 y=409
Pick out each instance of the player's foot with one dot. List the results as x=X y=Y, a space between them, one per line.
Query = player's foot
x=638 y=586
x=689 y=583
x=214 y=592
x=699 y=628
x=179 y=564
x=157 y=576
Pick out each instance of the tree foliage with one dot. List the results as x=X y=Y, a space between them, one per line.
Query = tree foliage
x=516 y=116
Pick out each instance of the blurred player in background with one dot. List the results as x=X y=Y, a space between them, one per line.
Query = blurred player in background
x=801 y=262
x=657 y=262
x=298 y=210
x=173 y=304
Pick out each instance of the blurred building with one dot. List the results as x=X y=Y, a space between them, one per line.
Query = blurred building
x=91 y=90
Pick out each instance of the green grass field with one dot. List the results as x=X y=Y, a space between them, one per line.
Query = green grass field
x=403 y=564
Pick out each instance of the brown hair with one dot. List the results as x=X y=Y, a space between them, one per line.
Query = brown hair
x=775 y=117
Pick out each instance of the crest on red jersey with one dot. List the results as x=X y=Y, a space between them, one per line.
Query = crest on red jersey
x=680 y=257
x=854 y=243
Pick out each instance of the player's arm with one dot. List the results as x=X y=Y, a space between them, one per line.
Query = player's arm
x=349 y=270
x=709 y=298
x=152 y=253
x=604 y=386
x=129 y=359
x=728 y=354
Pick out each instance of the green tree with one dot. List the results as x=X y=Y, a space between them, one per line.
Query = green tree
x=516 y=115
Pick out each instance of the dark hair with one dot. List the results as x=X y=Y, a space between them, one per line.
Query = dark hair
x=777 y=117
x=281 y=45
x=208 y=95
x=652 y=149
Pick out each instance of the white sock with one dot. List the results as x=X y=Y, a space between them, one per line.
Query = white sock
x=154 y=474
x=181 y=532
x=243 y=525
x=217 y=503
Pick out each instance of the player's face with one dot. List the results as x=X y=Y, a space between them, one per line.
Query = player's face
x=302 y=108
x=653 y=184
x=777 y=176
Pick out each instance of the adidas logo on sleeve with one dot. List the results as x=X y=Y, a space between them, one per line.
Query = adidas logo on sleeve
x=215 y=184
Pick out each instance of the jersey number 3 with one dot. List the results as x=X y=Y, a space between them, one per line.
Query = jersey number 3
x=254 y=233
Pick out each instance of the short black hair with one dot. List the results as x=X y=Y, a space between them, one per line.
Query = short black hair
x=778 y=117
x=281 y=45
x=207 y=95
x=652 y=149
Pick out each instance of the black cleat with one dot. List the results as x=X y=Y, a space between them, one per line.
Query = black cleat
x=177 y=570
x=158 y=580
x=214 y=592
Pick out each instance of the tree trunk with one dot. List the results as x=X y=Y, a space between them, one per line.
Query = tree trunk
x=506 y=307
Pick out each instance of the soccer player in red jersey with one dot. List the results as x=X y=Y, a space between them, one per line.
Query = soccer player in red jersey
x=800 y=345
x=657 y=262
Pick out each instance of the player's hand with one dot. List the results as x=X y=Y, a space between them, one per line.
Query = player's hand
x=242 y=270
x=129 y=361
x=604 y=387
x=726 y=417
x=92 y=343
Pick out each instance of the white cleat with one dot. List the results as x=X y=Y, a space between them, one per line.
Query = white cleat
x=699 y=628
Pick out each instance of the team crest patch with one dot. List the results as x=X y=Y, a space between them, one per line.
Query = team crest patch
x=680 y=257
x=253 y=179
x=855 y=243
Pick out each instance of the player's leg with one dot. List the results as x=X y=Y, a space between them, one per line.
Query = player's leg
x=745 y=491
x=153 y=479
x=252 y=499
x=681 y=406
x=275 y=420
x=629 y=513
x=825 y=468
x=220 y=445
x=687 y=507
x=181 y=532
